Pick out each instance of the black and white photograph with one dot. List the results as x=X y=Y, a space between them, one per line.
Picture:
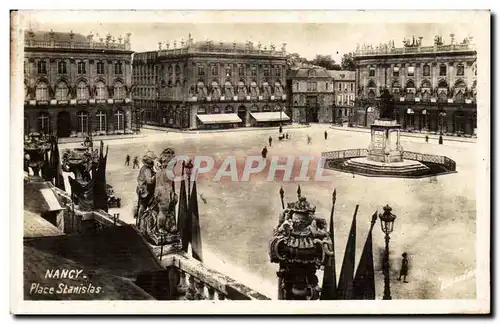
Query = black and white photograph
x=205 y=157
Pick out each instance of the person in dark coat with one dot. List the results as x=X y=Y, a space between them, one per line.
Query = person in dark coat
x=270 y=140
x=404 y=268
x=264 y=152
x=326 y=135
x=309 y=139
x=136 y=163
x=281 y=129
x=127 y=160
x=427 y=138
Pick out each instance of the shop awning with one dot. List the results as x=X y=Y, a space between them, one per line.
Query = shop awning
x=219 y=119
x=269 y=116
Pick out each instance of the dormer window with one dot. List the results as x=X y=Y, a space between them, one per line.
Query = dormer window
x=312 y=73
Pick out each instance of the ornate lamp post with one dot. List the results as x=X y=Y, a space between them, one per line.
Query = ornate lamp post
x=188 y=168
x=387 y=219
x=442 y=114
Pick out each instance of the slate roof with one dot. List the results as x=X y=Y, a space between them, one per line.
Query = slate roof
x=117 y=250
x=303 y=72
x=37 y=262
x=40 y=197
x=342 y=75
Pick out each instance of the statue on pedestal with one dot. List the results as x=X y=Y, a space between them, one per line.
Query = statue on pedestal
x=300 y=245
x=386 y=105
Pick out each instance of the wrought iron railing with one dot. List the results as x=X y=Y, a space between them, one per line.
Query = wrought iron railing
x=344 y=154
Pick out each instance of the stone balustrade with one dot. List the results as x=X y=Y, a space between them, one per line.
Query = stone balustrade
x=30 y=43
x=215 y=49
x=414 y=50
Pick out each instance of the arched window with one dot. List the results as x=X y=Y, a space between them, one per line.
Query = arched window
x=372 y=84
x=426 y=84
x=82 y=91
x=278 y=107
x=266 y=108
x=42 y=91
x=120 y=120
x=83 y=122
x=460 y=84
x=410 y=84
x=442 y=84
x=100 y=89
x=254 y=108
x=215 y=109
x=43 y=123
x=62 y=91
x=229 y=110
x=61 y=67
x=101 y=121
x=119 y=91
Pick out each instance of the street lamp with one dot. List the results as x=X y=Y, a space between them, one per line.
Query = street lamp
x=387 y=219
x=442 y=114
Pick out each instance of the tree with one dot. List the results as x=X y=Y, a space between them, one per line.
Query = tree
x=325 y=61
x=294 y=59
x=347 y=62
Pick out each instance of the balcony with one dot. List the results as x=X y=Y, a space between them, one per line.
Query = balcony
x=76 y=45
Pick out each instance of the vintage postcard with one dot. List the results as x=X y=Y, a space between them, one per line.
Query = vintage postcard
x=297 y=162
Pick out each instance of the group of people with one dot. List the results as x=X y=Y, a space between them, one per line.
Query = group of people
x=135 y=162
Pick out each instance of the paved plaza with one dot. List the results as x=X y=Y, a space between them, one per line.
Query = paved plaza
x=436 y=217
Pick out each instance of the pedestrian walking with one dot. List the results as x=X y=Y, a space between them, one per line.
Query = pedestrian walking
x=440 y=139
x=404 y=268
x=309 y=139
x=270 y=140
x=286 y=136
x=264 y=152
x=281 y=129
x=127 y=160
x=135 y=163
x=326 y=135
x=427 y=138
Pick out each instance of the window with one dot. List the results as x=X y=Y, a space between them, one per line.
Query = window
x=326 y=86
x=266 y=72
x=266 y=108
x=118 y=68
x=42 y=67
x=460 y=70
x=202 y=110
x=61 y=67
x=62 y=91
x=120 y=120
x=82 y=91
x=100 y=90
x=442 y=70
x=229 y=110
x=278 y=71
x=119 y=92
x=241 y=71
x=411 y=71
x=311 y=73
x=215 y=70
x=82 y=68
x=83 y=122
x=177 y=70
x=43 y=123
x=228 y=71
x=311 y=86
x=427 y=70
x=201 y=71
x=216 y=110
x=101 y=121
x=352 y=86
x=395 y=71
x=372 y=71
x=42 y=91
x=100 y=67
x=253 y=71
x=340 y=86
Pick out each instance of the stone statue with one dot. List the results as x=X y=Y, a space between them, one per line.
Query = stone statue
x=165 y=194
x=300 y=245
x=386 y=105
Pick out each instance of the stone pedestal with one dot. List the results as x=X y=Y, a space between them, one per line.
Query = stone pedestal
x=385 y=146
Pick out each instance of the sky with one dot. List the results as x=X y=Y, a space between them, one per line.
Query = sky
x=307 y=33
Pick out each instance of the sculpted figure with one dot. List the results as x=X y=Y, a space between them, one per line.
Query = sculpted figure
x=165 y=195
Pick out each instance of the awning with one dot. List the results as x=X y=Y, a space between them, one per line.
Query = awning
x=219 y=119
x=270 y=116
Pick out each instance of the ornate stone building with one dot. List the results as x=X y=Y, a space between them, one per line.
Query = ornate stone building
x=191 y=85
x=344 y=85
x=75 y=85
x=312 y=94
x=434 y=87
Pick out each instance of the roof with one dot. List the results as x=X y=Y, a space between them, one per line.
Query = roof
x=304 y=72
x=36 y=226
x=342 y=75
x=37 y=262
x=40 y=197
x=58 y=36
x=219 y=119
x=117 y=250
x=269 y=116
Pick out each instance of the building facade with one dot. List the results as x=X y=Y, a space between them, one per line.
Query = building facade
x=434 y=87
x=311 y=94
x=195 y=85
x=75 y=85
x=344 y=85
